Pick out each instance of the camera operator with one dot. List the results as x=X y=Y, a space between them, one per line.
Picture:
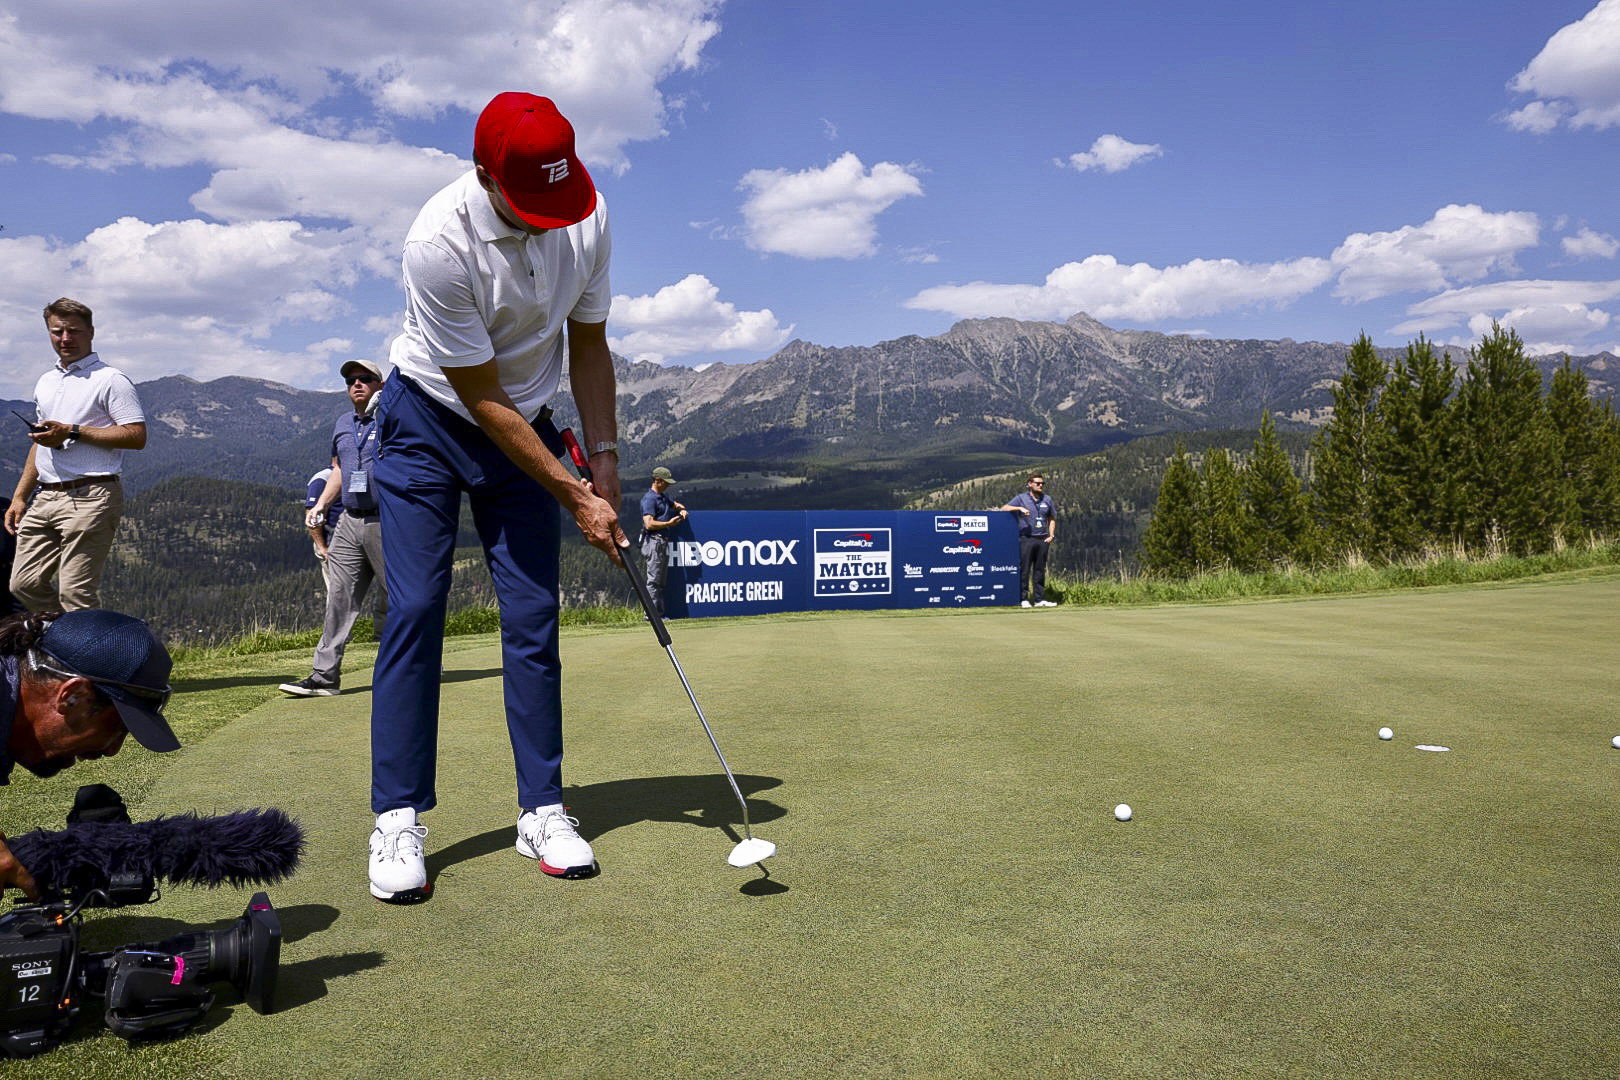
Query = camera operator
x=72 y=686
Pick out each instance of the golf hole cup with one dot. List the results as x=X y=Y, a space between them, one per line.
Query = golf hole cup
x=1122 y=812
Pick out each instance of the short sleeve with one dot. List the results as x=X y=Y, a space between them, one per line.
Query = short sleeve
x=440 y=300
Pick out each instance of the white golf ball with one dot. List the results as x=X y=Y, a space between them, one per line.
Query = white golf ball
x=1386 y=734
x=1122 y=812
x=1615 y=742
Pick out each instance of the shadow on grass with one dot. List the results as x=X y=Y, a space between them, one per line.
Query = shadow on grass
x=705 y=801
x=298 y=984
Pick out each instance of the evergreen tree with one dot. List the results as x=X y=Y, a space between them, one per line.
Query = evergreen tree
x=1414 y=501
x=1588 y=467
x=1172 y=545
x=1346 y=456
x=1507 y=457
x=1227 y=525
x=1279 y=517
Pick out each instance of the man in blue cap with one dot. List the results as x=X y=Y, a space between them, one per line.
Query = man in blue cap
x=72 y=687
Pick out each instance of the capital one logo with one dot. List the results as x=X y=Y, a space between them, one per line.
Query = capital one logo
x=556 y=172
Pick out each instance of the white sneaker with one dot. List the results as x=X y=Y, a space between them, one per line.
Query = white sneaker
x=547 y=833
x=1045 y=603
x=398 y=871
x=1023 y=603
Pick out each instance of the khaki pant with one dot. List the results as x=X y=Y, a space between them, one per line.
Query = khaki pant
x=62 y=545
x=354 y=560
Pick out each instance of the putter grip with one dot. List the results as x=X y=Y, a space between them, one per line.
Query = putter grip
x=577 y=454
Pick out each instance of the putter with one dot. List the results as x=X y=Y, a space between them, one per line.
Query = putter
x=751 y=849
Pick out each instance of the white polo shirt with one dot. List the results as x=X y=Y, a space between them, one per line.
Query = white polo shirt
x=476 y=289
x=91 y=394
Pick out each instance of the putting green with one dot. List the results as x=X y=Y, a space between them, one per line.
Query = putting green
x=952 y=895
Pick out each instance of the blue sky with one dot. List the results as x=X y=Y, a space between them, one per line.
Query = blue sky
x=227 y=183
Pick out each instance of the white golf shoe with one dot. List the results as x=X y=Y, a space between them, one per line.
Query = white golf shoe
x=548 y=834
x=398 y=870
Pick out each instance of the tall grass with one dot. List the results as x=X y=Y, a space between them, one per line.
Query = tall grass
x=467 y=621
x=1434 y=567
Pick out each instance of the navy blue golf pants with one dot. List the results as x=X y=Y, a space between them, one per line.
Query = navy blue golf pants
x=428 y=457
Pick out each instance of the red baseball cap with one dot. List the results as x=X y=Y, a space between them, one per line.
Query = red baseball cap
x=527 y=146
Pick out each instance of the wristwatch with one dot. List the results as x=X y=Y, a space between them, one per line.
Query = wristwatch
x=605 y=448
x=73 y=435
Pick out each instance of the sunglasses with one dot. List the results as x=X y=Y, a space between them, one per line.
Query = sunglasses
x=367 y=379
x=145 y=693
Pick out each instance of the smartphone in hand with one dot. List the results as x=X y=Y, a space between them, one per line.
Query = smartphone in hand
x=31 y=425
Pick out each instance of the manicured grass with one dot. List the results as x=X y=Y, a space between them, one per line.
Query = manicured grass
x=952 y=895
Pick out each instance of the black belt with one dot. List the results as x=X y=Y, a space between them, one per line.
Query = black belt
x=74 y=485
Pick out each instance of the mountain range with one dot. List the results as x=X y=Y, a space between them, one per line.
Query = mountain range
x=988 y=394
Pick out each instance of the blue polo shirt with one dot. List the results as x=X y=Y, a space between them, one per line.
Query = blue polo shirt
x=1035 y=522
x=659 y=508
x=354 y=444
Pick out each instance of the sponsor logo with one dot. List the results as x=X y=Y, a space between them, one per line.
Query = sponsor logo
x=733 y=553
x=556 y=172
x=975 y=570
x=912 y=571
x=962 y=524
x=1008 y=569
x=966 y=547
x=944 y=569
x=853 y=562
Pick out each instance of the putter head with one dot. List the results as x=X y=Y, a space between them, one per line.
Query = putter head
x=751 y=851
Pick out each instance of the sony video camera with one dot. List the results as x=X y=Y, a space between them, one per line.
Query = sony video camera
x=148 y=990
x=151 y=990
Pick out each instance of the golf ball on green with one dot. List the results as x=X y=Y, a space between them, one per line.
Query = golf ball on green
x=1122 y=812
x=1615 y=742
x=1386 y=734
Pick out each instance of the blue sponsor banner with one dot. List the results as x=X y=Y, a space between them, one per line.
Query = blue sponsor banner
x=750 y=563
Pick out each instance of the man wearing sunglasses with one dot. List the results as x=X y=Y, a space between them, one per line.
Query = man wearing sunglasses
x=354 y=554
x=72 y=687
x=1037 y=525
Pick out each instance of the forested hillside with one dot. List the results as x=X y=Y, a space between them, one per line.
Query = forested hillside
x=207 y=560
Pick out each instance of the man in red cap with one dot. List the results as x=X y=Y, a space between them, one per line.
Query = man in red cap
x=506 y=275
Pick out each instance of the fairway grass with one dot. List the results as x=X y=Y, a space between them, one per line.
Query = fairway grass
x=952 y=896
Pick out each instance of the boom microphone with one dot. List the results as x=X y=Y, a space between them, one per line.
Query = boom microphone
x=250 y=847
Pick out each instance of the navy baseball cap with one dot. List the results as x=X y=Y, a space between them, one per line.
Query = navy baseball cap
x=123 y=659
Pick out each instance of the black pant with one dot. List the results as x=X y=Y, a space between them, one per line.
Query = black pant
x=1032 y=568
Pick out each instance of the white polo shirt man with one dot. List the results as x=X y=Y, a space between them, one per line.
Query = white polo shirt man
x=68 y=501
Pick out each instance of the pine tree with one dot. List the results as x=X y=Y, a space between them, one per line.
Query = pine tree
x=1280 y=524
x=1507 y=457
x=1346 y=456
x=1227 y=526
x=1414 y=493
x=1589 y=471
x=1172 y=544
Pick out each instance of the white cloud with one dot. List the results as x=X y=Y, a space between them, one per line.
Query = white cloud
x=689 y=318
x=1107 y=289
x=291 y=114
x=1576 y=76
x=1458 y=244
x=1545 y=329
x=1110 y=153
x=1551 y=316
x=828 y=213
x=1590 y=244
